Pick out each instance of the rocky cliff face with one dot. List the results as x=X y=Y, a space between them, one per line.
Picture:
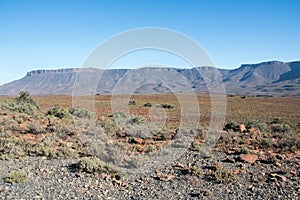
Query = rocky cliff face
x=268 y=78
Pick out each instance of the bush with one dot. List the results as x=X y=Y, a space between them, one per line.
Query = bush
x=230 y=126
x=79 y=112
x=256 y=124
x=94 y=165
x=277 y=120
x=36 y=128
x=25 y=98
x=132 y=103
x=20 y=107
x=90 y=164
x=167 y=106
x=281 y=128
x=148 y=104
x=223 y=175
x=16 y=177
x=59 y=112
x=136 y=120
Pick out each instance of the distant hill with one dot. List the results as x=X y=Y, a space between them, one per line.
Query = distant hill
x=272 y=78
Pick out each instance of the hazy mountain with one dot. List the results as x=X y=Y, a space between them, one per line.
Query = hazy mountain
x=269 y=78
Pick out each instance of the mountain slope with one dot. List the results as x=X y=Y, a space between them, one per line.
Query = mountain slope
x=268 y=78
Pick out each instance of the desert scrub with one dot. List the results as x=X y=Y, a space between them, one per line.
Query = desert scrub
x=245 y=150
x=94 y=165
x=24 y=97
x=21 y=107
x=16 y=177
x=132 y=103
x=8 y=124
x=21 y=118
x=167 y=106
x=12 y=147
x=195 y=170
x=58 y=112
x=230 y=126
x=221 y=174
x=81 y=113
x=90 y=164
x=136 y=120
x=281 y=128
x=256 y=124
x=24 y=104
x=148 y=104
x=277 y=120
x=35 y=128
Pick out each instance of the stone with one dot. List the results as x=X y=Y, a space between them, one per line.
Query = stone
x=137 y=140
x=255 y=131
x=250 y=158
x=242 y=128
x=180 y=165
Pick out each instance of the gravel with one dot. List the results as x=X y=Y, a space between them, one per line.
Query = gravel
x=55 y=179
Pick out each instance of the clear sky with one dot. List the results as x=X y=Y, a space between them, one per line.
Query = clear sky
x=36 y=34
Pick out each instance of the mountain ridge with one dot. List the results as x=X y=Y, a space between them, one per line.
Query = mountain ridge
x=271 y=78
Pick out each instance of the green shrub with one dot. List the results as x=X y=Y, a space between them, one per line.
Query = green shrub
x=24 y=97
x=244 y=150
x=277 y=120
x=132 y=103
x=136 y=120
x=223 y=175
x=81 y=113
x=59 y=112
x=266 y=143
x=148 y=104
x=230 y=126
x=35 y=128
x=256 y=124
x=281 y=128
x=94 y=165
x=10 y=124
x=90 y=164
x=16 y=177
x=167 y=106
x=196 y=171
x=20 y=107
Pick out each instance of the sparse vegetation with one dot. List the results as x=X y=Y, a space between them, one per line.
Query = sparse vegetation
x=256 y=124
x=221 y=174
x=131 y=103
x=230 y=126
x=94 y=165
x=24 y=103
x=167 y=106
x=51 y=132
x=148 y=104
x=16 y=177
x=59 y=112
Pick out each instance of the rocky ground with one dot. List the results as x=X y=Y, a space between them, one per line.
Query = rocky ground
x=48 y=156
x=56 y=179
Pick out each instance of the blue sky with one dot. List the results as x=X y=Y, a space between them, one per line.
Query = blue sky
x=62 y=33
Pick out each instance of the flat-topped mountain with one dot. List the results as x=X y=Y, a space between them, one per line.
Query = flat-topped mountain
x=273 y=78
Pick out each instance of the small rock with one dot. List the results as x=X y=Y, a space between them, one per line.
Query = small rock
x=164 y=177
x=250 y=158
x=255 y=131
x=242 y=128
x=278 y=164
x=137 y=140
x=180 y=165
x=279 y=177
